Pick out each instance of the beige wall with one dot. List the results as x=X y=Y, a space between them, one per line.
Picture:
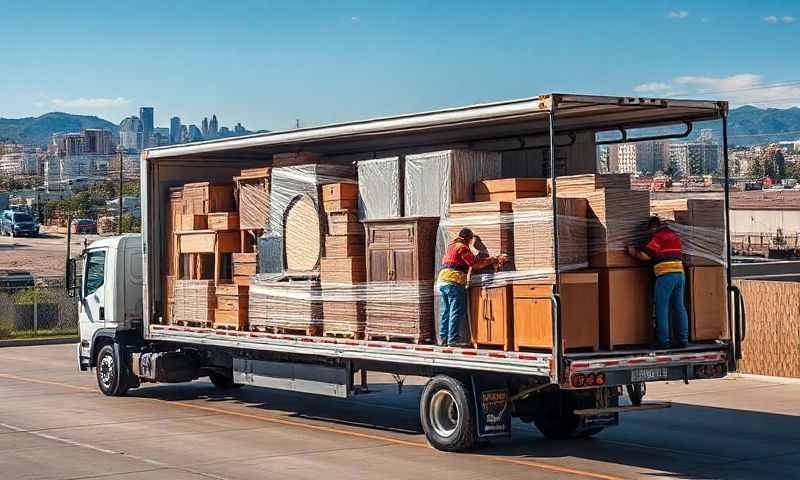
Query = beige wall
x=765 y=221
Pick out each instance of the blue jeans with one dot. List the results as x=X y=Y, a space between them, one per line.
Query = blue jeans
x=454 y=305
x=669 y=299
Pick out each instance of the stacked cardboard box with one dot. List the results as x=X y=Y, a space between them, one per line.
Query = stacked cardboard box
x=533 y=235
x=626 y=306
x=344 y=263
x=244 y=267
x=293 y=307
x=707 y=303
x=700 y=222
x=195 y=302
x=232 y=302
x=492 y=224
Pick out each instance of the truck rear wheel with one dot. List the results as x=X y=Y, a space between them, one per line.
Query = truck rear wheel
x=555 y=416
x=112 y=376
x=222 y=381
x=448 y=415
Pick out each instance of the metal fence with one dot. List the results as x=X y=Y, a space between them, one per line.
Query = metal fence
x=37 y=311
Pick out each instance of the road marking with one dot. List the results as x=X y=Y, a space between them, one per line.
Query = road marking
x=340 y=431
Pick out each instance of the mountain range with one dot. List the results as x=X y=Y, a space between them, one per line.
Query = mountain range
x=39 y=130
x=747 y=125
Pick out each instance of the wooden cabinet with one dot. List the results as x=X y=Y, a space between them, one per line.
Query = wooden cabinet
x=400 y=275
x=533 y=313
x=491 y=313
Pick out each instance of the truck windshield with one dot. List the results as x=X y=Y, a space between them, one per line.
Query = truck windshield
x=22 y=217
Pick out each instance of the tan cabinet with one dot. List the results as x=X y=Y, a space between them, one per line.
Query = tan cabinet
x=491 y=314
x=533 y=313
x=708 y=316
x=400 y=275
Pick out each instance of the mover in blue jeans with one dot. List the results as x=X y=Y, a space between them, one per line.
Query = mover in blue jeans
x=664 y=250
x=452 y=283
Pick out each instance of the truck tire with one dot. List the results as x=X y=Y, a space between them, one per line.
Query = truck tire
x=555 y=416
x=448 y=414
x=222 y=381
x=112 y=376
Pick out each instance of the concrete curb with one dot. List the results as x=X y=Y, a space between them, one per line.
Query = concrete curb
x=28 y=342
x=766 y=378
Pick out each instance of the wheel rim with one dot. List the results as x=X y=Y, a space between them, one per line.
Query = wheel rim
x=444 y=413
x=106 y=370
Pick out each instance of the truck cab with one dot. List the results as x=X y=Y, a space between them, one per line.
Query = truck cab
x=109 y=294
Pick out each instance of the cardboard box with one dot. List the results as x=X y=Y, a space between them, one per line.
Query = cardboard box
x=533 y=313
x=707 y=304
x=510 y=189
x=626 y=306
x=223 y=221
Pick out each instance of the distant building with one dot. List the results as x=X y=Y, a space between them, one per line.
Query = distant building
x=130 y=133
x=239 y=129
x=205 y=127
x=194 y=133
x=695 y=158
x=17 y=159
x=174 y=130
x=160 y=137
x=146 y=116
x=638 y=157
x=213 y=127
x=224 y=132
x=98 y=141
x=183 y=137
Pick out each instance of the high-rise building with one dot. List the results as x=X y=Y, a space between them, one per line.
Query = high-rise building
x=638 y=157
x=183 y=137
x=205 y=127
x=98 y=141
x=194 y=133
x=130 y=133
x=213 y=127
x=146 y=116
x=174 y=130
x=239 y=129
x=695 y=158
x=160 y=137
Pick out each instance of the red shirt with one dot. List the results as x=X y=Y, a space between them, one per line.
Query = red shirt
x=664 y=245
x=459 y=256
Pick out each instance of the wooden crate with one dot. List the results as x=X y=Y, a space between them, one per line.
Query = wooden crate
x=245 y=264
x=195 y=301
x=253 y=194
x=339 y=191
x=510 y=189
x=491 y=317
x=350 y=204
x=343 y=270
x=233 y=319
x=232 y=289
x=533 y=313
x=344 y=222
x=587 y=183
x=344 y=245
x=192 y=222
x=207 y=197
x=223 y=221
x=242 y=280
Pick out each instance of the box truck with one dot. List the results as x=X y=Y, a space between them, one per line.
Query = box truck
x=473 y=391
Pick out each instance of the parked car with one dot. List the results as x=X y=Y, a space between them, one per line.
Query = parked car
x=84 y=225
x=16 y=223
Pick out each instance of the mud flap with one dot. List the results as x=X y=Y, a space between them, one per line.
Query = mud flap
x=492 y=408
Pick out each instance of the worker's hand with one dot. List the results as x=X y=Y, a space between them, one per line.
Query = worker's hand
x=502 y=259
x=632 y=251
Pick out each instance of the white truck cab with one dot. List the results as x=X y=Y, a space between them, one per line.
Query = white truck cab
x=110 y=293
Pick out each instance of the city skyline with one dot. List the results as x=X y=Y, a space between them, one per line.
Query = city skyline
x=355 y=60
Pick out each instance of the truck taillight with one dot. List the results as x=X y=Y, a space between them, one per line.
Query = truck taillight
x=709 y=371
x=589 y=380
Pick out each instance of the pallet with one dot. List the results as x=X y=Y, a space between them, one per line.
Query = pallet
x=343 y=334
x=395 y=338
x=490 y=346
x=307 y=332
x=185 y=323
x=230 y=326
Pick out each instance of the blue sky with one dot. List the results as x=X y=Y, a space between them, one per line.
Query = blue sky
x=268 y=63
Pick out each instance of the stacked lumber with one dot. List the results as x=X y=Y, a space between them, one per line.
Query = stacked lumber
x=195 y=302
x=490 y=221
x=252 y=188
x=510 y=189
x=533 y=234
x=572 y=185
x=292 y=307
x=344 y=263
x=232 y=303
x=244 y=267
x=618 y=218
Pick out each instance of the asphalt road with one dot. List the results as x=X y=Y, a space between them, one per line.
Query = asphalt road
x=54 y=424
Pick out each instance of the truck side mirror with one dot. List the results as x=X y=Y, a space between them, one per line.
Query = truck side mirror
x=70 y=278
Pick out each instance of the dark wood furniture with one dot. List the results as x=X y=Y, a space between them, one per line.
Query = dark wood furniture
x=400 y=273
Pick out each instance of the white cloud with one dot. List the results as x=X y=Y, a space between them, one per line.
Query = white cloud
x=678 y=14
x=739 y=89
x=98 y=102
x=775 y=19
x=354 y=19
x=651 y=87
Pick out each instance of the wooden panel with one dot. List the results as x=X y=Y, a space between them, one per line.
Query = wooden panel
x=236 y=319
x=344 y=245
x=378 y=265
x=192 y=222
x=343 y=270
x=350 y=204
x=196 y=242
x=510 y=189
x=302 y=236
x=708 y=318
x=232 y=302
x=245 y=257
x=253 y=202
x=626 y=306
x=228 y=242
x=491 y=314
x=232 y=289
x=244 y=269
x=256 y=172
x=404 y=266
x=339 y=191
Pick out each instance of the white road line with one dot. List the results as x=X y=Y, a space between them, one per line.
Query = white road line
x=107 y=451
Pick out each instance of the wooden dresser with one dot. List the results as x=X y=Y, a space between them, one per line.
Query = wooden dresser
x=400 y=278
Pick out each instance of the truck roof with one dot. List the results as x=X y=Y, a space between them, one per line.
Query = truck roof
x=511 y=118
x=113 y=242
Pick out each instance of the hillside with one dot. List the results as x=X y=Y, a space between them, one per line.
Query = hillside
x=39 y=130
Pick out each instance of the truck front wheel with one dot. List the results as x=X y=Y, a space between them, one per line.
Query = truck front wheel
x=112 y=377
x=448 y=415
